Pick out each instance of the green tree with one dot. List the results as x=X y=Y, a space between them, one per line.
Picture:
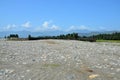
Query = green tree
x=29 y=37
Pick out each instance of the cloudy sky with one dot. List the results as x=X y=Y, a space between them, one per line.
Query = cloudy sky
x=65 y=15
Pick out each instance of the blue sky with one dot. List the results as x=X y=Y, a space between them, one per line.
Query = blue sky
x=65 y=15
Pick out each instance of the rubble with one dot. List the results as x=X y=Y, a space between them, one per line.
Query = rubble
x=59 y=60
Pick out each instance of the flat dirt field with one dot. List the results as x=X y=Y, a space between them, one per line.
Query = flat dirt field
x=59 y=60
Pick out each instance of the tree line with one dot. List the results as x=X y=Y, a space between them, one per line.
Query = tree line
x=12 y=36
x=72 y=36
x=113 y=36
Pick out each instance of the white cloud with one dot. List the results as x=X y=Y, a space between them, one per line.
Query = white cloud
x=82 y=27
x=54 y=27
x=47 y=26
x=15 y=27
x=102 y=28
x=71 y=28
x=26 y=24
x=10 y=26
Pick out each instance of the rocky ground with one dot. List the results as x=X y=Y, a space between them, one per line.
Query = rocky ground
x=59 y=60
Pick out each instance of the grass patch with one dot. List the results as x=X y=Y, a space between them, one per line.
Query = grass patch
x=50 y=42
x=116 y=41
x=17 y=39
x=51 y=65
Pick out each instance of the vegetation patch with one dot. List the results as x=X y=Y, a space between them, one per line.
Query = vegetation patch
x=51 y=42
x=51 y=65
x=113 y=37
x=117 y=41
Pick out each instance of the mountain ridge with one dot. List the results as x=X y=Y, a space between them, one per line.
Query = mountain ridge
x=53 y=33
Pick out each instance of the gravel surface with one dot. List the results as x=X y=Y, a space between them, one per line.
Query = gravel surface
x=59 y=60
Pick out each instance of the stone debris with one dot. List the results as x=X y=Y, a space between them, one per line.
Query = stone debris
x=6 y=71
x=118 y=70
x=59 y=60
x=24 y=63
x=92 y=76
x=28 y=70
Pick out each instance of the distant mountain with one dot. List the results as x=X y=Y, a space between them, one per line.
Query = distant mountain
x=7 y=33
x=96 y=33
x=25 y=34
